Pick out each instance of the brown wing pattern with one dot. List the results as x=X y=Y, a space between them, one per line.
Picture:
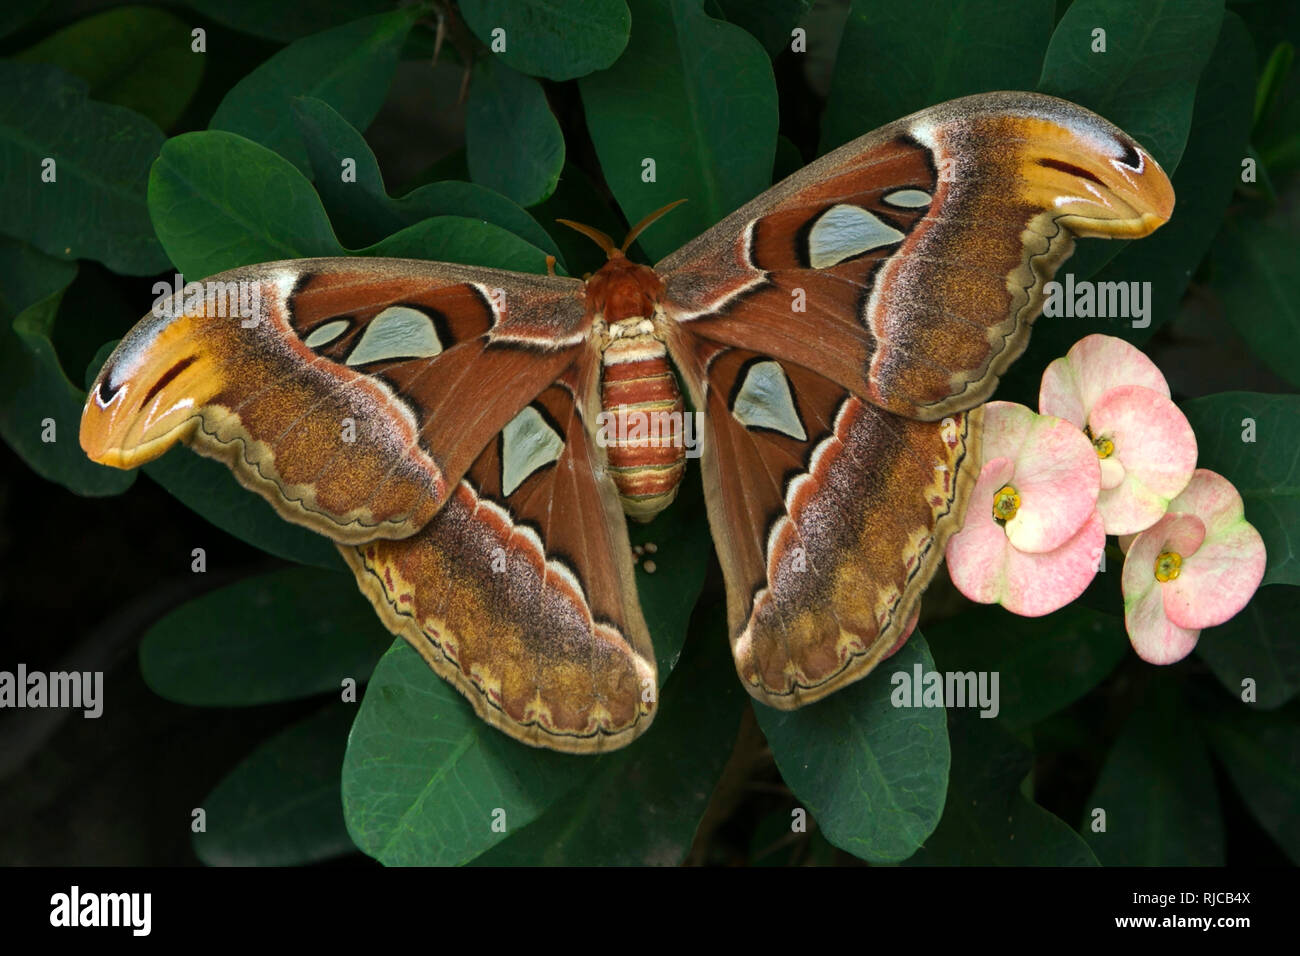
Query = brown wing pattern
x=837 y=330
x=354 y=394
x=520 y=591
x=830 y=516
x=908 y=265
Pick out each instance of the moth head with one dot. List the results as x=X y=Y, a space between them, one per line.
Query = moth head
x=149 y=393
x=622 y=289
x=1094 y=178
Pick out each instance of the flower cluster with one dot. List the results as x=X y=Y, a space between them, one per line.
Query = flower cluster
x=1107 y=452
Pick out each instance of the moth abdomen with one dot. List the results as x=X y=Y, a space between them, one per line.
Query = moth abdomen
x=641 y=415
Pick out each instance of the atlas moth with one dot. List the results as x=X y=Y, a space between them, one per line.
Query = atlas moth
x=840 y=443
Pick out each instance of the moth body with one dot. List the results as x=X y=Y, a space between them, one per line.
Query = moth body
x=641 y=404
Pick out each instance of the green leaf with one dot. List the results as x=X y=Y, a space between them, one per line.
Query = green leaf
x=1157 y=791
x=424 y=779
x=1203 y=183
x=256 y=207
x=451 y=165
x=1257 y=277
x=27 y=276
x=1145 y=81
x=95 y=206
x=96 y=363
x=350 y=67
x=98 y=306
x=1276 y=136
x=1043 y=664
x=274 y=637
x=512 y=141
x=40 y=409
x=219 y=201
x=642 y=804
x=987 y=820
x=897 y=58
x=209 y=489
x=137 y=57
x=707 y=121
x=770 y=21
x=1258 y=644
x=1261 y=753
x=1264 y=468
x=276 y=20
x=34 y=391
x=1272 y=78
x=281 y=806
x=457 y=239
x=475 y=202
x=362 y=212
x=872 y=774
x=559 y=41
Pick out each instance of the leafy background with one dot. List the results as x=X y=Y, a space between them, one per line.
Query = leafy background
x=223 y=687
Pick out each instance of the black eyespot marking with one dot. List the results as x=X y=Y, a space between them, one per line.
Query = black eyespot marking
x=1070 y=168
x=107 y=390
x=1131 y=159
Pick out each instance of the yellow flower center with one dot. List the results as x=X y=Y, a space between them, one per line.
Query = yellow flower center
x=1103 y=446
x=1005 y=504
x=1168 y=566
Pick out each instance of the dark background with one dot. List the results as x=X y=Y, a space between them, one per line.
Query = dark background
x=81 y=579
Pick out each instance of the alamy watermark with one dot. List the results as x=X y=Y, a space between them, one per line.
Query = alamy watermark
x=629 y=426
x=922 y=688
x=127 y=910
x=1085 y=299
x=235 y=299
x=77 y=690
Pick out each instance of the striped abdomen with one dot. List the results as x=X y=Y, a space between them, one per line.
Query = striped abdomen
x=642 y=412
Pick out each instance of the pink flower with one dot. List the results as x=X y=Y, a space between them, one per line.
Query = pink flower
x=1194 y=568
x=1144 y=443
x=1032 y=536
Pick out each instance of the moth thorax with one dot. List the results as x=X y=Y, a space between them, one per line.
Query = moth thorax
x=641 y=418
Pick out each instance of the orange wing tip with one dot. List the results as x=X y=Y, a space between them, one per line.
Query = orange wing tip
x=1097 y=182
x=98 y=442
x=148 y=396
